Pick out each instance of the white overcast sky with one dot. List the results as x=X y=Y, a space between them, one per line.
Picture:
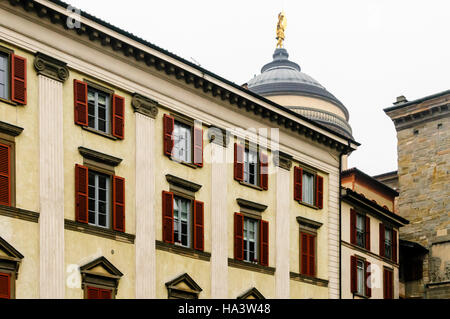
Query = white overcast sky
x=365 y=52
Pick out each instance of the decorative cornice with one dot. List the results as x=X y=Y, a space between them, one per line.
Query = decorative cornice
x=251 y=205
x=309 y=223
x=51 y=67
x=218 y=136
x=282 y=160
x=10 y=250
x=177 y=181
x=10 y=129
x=255 y=293
x=99 y=157
x=144 y=105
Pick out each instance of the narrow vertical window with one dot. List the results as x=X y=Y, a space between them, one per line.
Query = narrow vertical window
x=99 y=113
x=182 y=148
x=4 y=76
x=388 y=242
x=360 y=230
x=360 y=277
x=182 y=221
x=99 y=199
x=251 y=240
x=308 y=188
x=251 y=167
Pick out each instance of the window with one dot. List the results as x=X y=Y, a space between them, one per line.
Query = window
x=10 y=260
x=182 y=148
x=360 y=277
x=388 y=243
x=13 y=77
x=308 y=254
x=251 y=167
x=100 y=279
x=99 y=110
x=99 y=199
x=308 y=187
x=4 y=76
x=388 y=284
x=250 y=240
x=360 y=230
x=182 y=221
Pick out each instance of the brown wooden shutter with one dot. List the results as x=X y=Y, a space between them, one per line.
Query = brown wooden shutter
x=119 y=203
x=5 y=175
x=80 y=95
x=18 y=79
x=264 y=170
x=167 y=216
x=105 y=294
x=264 y=241
x=367 y=283
x=312 y=255
x=382 y=240
x=367 y=233
x=353 y=275
x=304 y=254
x=198 y=146
x=81 y=193
x=118 y=112
x=352 y=226
x=394 y=246
x=93 y=293
x=298 y=175
x=169 y=124
x=238 y=236
x=199 y=242
x=238 y=162
x=319 y=191
x=5 y=286
x=391 y=284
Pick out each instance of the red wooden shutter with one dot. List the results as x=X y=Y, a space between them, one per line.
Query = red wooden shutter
x=264 y=241
x=394 y=245
x=387 y=284
x=80 y=94
x=198 y=147
x=105 y=294
x=353 y=277
x=167 y=216
x=391 y=284
x=319 y=191
x=93 y=293
x=298 y=175
x=5 y=175
x=118 y=122
x=238 y=236
x=382 y=240
x=367 y=233
x=18 y=79
x=81 y=193
x=199 y=242
x=169 y=124
x=264 y=170
x=352 y=226
x=5 y=286
x=312 y=255
x=119 y=203
x=368 y=284
x=304 y=254
x=238 y=162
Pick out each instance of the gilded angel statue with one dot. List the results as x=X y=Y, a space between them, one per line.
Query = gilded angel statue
x=281 y=26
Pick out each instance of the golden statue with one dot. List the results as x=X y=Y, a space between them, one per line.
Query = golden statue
x=281 y=26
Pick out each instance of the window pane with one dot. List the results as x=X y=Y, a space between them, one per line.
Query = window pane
x=98 y=110
x=182 y=221
x=360 y=230
x=4 y=89
x=308 y=188
x=360 y=279
x=250 y=239
x=98 y=199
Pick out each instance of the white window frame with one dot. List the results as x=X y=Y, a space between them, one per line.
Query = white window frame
x=250 y=222
x=177 y=221
x=183 y=144
x=251 y=156
x=6 y=70
x=97 y=200
x=305 y=188
x=96 y=109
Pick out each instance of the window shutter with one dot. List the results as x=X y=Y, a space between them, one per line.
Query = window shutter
x=264 y=241
x=391 y=284
x=105 y=294
x=319 y=191
x=119 y=203
x=382 y=240
x=238 y=162
x=19 y=79
x=367 y=233
x=118 y=123
x=353 y=280
x=167 y=218
x=352 y=226
x=368 y=283
x=169 y=124
x=199 y=242
x=298 y=175
x=93 y=293
x=198 y=147
x=304 y=254
x=5 y=286
x=80 y=95
x=312 y=257
x=81 y=193
x=5 y=175
x=238 y=236
x=394 y=246
x=264 y=170
x=386 y=288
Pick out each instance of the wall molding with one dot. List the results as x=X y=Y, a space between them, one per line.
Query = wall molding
x=51 y=67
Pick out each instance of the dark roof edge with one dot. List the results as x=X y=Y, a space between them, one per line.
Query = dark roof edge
x=385 y=174
x=412 y=244
x=420 y=100
x=372 y=179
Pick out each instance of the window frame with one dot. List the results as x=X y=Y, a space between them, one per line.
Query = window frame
x=314 y=173
x=390 y=294
x=109 y=195
x=257 y=253
x=190 y=226
x=189 y=153
x=390 y=230
x=109 y=100
x=364 y=276
x=8 y=53
x=363 y=217
x=254 y=150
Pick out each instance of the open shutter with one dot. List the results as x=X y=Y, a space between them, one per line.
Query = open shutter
x=394 y=246
x=367 y=233
x=304 y=254
x=18 y=79
x=5 y=175
x=368 y=283
x=169 y=124
x=199 y=222
x=319 y=191
x=264 y=240
x=312 y=255
x=167 y=216
x=80 y=95
x=353 y=280
x=298 y=174
x=264 y=170
x=238 y=236
x=238 y=162
x=198 y=146
x=5 y=286
x=105 y=294
x=352 y=226
x=81 y=193
x=382 y=240
x=119 y=203
x=118 y=122
x=93 y=293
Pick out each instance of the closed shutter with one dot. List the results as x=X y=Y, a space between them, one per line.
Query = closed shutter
x=80 y=95
x=352 y=226
x=312 y=255
x=382 y=248
x=368 y=283
x=367 y=233
x=238 y=162
x=167 y=216
x=19 y=79
x=119 y=203
x=105 y=294
x=81 y=193
x=319 y=191
x=118 y=122
x=353 y=275
x=199 y=222
x=264 y=240
x=304 y=254
x=169 y=124
x=264 y=170
x=93 y=293
x=298 y=175
x=238 y=236
x=394 y=245
x=5 y=175
x=198 y=147
x=5 y=286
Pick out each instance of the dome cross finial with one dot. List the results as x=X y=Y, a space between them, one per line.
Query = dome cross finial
x=281 y=27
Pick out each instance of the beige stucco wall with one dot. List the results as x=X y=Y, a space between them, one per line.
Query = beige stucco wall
x=381 y=199
x=301 y=290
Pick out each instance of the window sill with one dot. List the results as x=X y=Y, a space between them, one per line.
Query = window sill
x=183 y=251
x=89 y=129
x=98 y=231
x=19 y=213
x=359 y=296
x=183 y=163
x=9 y=102
x=309 y=279
x=251 y=185
x=308 y=205
x=250 y=266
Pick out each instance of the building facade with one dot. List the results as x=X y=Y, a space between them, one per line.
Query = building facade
x=128 y=172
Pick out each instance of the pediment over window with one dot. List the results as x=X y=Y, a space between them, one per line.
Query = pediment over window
x=101 y=273
x=252 y=294
x=183 y=287
x=10 y=257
